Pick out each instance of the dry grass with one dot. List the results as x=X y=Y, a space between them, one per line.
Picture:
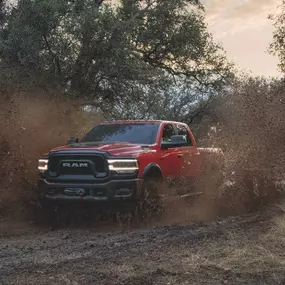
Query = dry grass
x=252 y=257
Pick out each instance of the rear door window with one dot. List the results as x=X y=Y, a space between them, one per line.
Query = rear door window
x=182 y=130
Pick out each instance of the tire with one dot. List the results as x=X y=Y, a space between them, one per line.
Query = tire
x=149 y=204
x=260 y=187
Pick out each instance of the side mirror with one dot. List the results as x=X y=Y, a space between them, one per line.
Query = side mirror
x=176 y=141
x=72 y=140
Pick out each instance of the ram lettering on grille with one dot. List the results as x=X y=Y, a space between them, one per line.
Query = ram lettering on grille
x=75 y=164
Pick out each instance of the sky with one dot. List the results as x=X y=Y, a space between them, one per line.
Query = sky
x=244 y=30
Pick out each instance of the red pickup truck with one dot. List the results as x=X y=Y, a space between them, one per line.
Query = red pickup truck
x=122 y=160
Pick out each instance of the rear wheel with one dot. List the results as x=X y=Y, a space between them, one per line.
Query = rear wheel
x=260 y=186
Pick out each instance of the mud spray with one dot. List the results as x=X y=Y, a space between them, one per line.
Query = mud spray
x=30 y=127
x=250 y=133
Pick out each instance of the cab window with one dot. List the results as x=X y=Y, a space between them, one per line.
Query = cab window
x=182 y=130
x=168 y=132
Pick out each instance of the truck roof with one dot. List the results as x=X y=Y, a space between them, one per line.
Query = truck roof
x=139 y=122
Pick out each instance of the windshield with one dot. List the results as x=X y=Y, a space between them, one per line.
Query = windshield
x=138 y=133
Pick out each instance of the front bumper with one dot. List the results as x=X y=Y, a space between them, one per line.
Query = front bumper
x=114 y=190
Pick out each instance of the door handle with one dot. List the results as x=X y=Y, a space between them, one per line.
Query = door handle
x=179 y=155
x=164 y=156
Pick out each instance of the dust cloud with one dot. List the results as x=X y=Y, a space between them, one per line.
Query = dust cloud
x=29 y=127
x=250 y=131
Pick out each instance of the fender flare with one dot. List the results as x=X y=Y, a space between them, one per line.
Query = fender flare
x=152 y=169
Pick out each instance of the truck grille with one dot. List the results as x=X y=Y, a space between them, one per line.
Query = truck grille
x=77 y=164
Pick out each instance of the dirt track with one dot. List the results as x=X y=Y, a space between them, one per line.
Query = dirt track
x=214 y=253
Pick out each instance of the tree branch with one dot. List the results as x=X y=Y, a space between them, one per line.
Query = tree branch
x=53 y=55
x=98 y=3
x=189 y=118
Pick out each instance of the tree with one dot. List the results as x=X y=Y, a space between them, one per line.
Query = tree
x=2 y=12
x=137 y=55
x=3 y=19
x=277 y=47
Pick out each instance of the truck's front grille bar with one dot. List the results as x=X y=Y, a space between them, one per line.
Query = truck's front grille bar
x=77 y=164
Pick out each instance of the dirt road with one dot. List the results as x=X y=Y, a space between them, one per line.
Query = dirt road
x=232 y=251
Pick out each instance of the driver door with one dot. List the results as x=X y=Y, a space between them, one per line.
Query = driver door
x=191 y=165
x=170 y=160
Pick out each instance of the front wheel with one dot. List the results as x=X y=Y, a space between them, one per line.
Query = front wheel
x=150 y=203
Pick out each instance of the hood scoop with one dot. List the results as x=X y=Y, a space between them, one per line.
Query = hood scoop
x=85 y=145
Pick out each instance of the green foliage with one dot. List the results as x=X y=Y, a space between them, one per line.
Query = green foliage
x=277 y=47
x=140 y=58
x=2 y=12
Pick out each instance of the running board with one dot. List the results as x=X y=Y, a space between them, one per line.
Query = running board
x=191 y=195
x=195 y=194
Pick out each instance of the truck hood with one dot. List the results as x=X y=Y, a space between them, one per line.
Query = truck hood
x=116 y=149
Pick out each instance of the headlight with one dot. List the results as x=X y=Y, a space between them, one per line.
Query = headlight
x=42 y=165
x=123 y=165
